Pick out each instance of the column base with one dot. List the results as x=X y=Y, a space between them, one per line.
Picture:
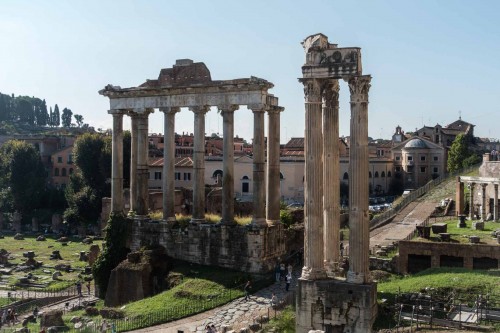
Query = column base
x=259 y=222
x=228 y=223
x=170 y=219
x=331 y=268
x=309 y=273
x=358 y=278
x=197 y=221
x=273 y=222
x=335 y=306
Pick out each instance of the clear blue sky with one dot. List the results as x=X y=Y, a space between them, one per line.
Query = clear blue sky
x=429 y=59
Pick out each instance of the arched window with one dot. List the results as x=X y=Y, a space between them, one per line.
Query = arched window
x=245 y=185
x=281 y=176
x=63 y=172
x=346 y=176
x=369 y=174
x=217 y=173
x=70 y=171
x=56 y=172
x=376 y=174
x=388 y=174
x=382 y=175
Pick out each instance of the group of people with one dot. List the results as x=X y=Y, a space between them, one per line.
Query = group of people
x=8 y=317
x=283 y=275
x=210 y=329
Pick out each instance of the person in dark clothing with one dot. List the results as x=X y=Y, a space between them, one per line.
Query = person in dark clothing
x=247 y=288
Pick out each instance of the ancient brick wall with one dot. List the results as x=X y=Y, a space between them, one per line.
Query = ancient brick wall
x=469 y=252
x=242 y=248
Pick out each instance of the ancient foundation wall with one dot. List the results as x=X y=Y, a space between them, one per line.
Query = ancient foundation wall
x=335 y=306
x=440 y=253
x=243 y=248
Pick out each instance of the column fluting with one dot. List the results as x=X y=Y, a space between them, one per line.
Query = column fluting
x=117 y=162
x=168 y=171
x=133 y=161
x=142 y=163
x=259 y=185
x=199 y=164
x=273 y=197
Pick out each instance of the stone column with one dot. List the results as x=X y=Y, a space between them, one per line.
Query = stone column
x=313 y=192
x=259 y=184
x=471 y=201
x=117 y=162
x=199 y=164
x=133 y=161
x=483 y=202
x=142 y=163
x=495 y=203
x=169 y=163
x=227 y=112
x=359 y=235
x=273 y=197
x=459 y=197
x=331 y=177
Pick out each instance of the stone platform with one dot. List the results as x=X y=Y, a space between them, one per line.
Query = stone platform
x=335 y=306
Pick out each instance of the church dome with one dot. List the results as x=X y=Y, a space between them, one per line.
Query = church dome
x=416 y=143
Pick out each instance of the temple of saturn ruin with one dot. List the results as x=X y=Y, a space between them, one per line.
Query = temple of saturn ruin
x=325 y=301
x=253 y=248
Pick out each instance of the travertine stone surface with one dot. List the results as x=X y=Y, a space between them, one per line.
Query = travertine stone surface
x=495 y=203
x=471 y=201
x=459 y=197
x=313 y=238
x=169 y=163
x=483 y=202
x=227 y=112
x=133 y=161
x=199 y=164
x=117 y=162
x=142 y=162
x=273 y=166
x=359 y=235
x=259 y=184
x=331 y=166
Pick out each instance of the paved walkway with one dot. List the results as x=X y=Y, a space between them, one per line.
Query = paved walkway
x=236 y=314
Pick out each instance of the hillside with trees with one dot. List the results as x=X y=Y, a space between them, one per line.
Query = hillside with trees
x=24 y=114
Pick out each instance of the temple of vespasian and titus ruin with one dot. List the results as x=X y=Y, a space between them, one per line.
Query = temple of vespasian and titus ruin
x=252 y=248
x=324 y=301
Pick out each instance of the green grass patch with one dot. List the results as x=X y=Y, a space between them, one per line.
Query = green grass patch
x=460 y=280
x=284 y=322
x=461 y=235
x=183 y=220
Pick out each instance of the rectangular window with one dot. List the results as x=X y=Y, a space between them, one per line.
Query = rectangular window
x=422 y=169
x=409 y=158
x=435 y=170
x=70 y=159
x=398 y=158
x=157 y=175
x=398 y=169
x=422 y=157
x=59 y=159
x=187 y=176
x=435 y=158
x=177 y=176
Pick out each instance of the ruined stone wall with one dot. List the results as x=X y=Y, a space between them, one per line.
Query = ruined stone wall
x=435 y=250
x=242 y=248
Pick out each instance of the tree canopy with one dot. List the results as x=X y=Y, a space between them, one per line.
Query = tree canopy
x=460 y=156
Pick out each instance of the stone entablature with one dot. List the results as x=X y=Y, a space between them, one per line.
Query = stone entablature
x=468 y=252
x=243 y=248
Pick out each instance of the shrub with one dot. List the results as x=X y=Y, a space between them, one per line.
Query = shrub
x=286 y=218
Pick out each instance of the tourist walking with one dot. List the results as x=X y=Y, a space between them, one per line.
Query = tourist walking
x=247 y=288
x=79 y=288
x=104 y=326
x=282 y=272
x=288 y=281
x=274 y=301
x=88 y=287
x=277 y=272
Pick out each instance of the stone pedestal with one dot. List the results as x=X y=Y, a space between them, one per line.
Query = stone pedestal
x=461 y=221
x=335 y=306
x=56 y=222
x=16 y=222
x=34 y=224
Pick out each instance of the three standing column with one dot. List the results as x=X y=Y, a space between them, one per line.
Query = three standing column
x=169 y=163
x=199 y=164
x=227 y=112
x=313 y=237
x=359 y=235
x=331 y=166
x=117 y=162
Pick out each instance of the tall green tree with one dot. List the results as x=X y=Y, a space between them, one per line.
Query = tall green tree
x=79 y=120
x=66 y=116
x=56 y=120
x=43 y=115
x=22 y=171
x=459 y=155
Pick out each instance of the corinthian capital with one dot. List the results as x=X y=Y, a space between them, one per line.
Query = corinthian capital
x=359 y=87
x=312 y=90
x=331 y=93
x=170 y=110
